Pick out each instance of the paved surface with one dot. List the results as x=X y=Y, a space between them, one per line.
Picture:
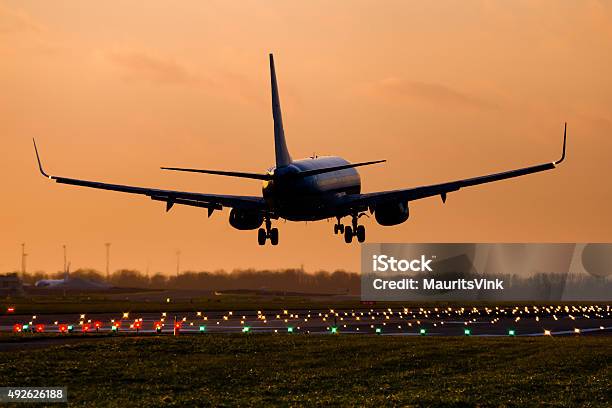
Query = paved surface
x=530 y=321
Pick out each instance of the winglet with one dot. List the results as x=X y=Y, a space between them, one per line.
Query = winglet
x=39 y=164
x=564 y=143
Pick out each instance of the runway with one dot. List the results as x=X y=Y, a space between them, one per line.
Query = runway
x=484 y=321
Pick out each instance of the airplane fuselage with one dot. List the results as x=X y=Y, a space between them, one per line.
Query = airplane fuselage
x=314 y=197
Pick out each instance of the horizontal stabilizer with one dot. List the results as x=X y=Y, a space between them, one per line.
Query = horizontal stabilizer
x=256 y=176
x=308 y=173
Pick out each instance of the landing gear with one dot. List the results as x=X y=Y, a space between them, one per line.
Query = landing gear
x=360 y=233
x=261 y=236
x=269 y=232
x=353 y=231
x=339 y=227
x=348 y=234
x=273 y=235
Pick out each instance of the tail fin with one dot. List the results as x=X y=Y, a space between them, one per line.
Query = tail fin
x=280 y=145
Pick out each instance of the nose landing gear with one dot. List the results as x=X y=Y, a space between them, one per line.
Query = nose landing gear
x=269 y=232
x=354 y=231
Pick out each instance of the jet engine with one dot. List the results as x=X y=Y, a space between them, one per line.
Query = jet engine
x=391 y=213
x=245 y=220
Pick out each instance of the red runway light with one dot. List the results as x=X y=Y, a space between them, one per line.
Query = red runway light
x=97 y=325
x=17 y=328
x=11 y=309
x=40 y=328
x=177 y=325
x=86 y=328
x=63 y=328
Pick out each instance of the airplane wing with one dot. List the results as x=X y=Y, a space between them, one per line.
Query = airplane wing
x=210 y=201
x=371 y=200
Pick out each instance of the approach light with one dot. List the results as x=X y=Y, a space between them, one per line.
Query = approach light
x=511 y=332
x=547 y=332
x=467 y=332
x=423 y=332
x=577 y=331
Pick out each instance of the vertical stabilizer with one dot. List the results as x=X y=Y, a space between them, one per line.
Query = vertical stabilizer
x=280 y=145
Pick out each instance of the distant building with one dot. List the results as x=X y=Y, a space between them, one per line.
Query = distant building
x=10 y=285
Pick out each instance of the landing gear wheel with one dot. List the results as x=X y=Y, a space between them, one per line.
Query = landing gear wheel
x=274 y=236
x=261 y=236
x=348 y=234
x=336 y=229
x=341 y=228
x=360 y=233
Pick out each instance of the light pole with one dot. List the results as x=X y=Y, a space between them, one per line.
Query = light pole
x=107 y=245
x=23 y=259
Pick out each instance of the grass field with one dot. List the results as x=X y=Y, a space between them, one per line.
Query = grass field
x=229 y=370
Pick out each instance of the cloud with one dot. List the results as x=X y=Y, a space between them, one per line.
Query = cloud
x=397 y=89
x=164 y=70
x=16 y=21
x=152 y=68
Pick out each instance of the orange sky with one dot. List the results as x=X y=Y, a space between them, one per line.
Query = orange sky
x=443 y=90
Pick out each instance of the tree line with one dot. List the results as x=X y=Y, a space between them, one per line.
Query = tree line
x=286 y=280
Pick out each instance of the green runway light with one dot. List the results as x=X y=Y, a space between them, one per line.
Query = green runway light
x=511 y=332
x=70 y=329
x=246 y=329
x=114 y=328
x=467 y=332
x=334 y=330
x=423 y=332
x=378 y=330
x=289 y=329
x=202 y=329
x=26 y=327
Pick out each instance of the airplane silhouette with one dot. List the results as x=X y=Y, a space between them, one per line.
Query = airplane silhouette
x=310 y=189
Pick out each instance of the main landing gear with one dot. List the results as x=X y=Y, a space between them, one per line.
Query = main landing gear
x=351 y=231
x=269 y=232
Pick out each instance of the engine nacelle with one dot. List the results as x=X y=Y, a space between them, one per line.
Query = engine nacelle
x=245 y=220
x=391 y=213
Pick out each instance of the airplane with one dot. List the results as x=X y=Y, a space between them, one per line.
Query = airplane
x=70 y=282
x=310 y=189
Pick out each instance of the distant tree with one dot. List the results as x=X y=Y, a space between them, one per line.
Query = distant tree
x=158 y=281
x=87 y=273
x=129 y=278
